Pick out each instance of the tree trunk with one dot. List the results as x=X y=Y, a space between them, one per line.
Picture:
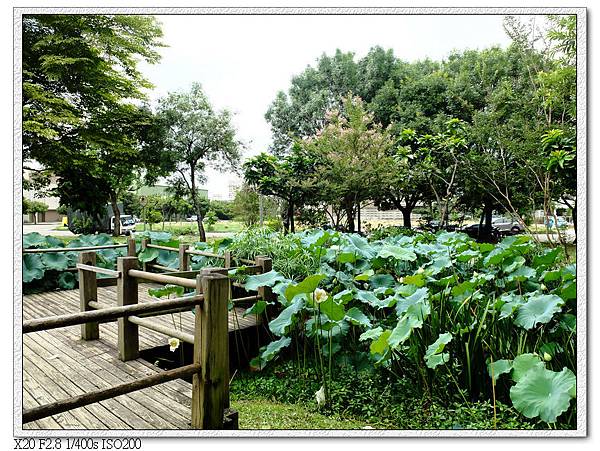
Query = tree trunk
x=487 y=212
x=201 y=231
x=290 y=214
x=117 y=214
x=406 y=212
x=358 y=216
x=350 y=217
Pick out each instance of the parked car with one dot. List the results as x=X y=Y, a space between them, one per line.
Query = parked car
x=507 y=224
x=473 y=231
x=127 y=224
x=192 y=218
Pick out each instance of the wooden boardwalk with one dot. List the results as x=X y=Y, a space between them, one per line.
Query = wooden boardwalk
x=58 y=364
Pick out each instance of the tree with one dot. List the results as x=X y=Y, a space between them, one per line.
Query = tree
x=79 y=75
x=351 y=154
x=33 y=207
x=196 y=135
x=287 y=178
x=406 y=176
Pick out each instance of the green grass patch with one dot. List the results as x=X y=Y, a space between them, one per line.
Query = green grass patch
x=191 y=228
x=265 y=414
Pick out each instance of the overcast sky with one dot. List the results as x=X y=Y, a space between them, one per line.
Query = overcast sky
x=242 y=61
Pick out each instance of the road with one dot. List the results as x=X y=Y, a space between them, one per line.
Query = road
x=46 y=228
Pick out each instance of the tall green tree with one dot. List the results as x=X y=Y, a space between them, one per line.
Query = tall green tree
x=197 y=136
x=79 y=78
x=352 y=155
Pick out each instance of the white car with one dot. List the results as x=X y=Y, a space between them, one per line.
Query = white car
x=507 y=224
x=127 y=224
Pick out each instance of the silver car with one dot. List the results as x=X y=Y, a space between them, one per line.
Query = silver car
x=506 y=224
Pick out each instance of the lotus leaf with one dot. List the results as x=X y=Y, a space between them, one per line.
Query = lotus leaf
x=57 y=261
x=33 y=267
x=434 y=356
x=538 y=309
x=544 y=393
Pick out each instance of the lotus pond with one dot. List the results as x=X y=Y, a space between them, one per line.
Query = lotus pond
x=441 y=316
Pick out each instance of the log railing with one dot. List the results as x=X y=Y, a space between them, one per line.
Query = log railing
x=210 y=367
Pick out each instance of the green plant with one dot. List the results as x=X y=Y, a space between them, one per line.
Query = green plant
x=210 y=219
x=435 y=308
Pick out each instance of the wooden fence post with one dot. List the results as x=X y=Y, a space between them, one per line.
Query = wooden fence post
x=131 y=247
x=145 y=242
x=267 y=265
x=127 y=294
x=184 y=257
x=227 y=259
x=210 y=387
x=88 y=291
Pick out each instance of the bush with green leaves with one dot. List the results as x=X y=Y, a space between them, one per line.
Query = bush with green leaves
x=435 y=308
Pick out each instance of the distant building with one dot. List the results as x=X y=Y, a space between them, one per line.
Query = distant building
x=53 y=203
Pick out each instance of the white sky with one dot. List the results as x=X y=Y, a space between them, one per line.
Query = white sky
x=242 y=61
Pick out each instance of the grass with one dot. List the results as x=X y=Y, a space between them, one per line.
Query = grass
x=265 y=414
x=190 y=228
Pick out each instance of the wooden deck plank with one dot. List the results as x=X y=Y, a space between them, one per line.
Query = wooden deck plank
x=58 y=364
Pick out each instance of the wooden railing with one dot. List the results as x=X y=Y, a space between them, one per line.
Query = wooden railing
x=210 y=367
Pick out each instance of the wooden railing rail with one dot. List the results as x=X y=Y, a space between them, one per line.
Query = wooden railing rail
x=64 y=405
x=210 y=367
x=74 y=249
x=106 y=314
x=161 y=278
x=99 y=270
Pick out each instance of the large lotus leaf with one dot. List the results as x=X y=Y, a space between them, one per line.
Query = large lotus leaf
x=550 y=276
x=468 y=255
x=332 y=309
x=418 y=280
x=52 y=241
x=521 y=274
x=546 y=258
x=55 y=260
x=67 y=280
x=380 y=345
x=108 y=255
x=524 y=363
x=497 y=255
x=403 y=304
x=269 y=352
x=343 y=297
x=33 y=239
x=359 y=245
x=370 y=298
x=381 y=280
x=371 y=334
x=33 y=267
x=434 y=355
x=148 y=254
x=346 y=257
x=403 y=330
x=438 y=265
x=544 y=393
x=167 y=258
x=358 y=318
x=397 y=252
x=509 y=304
x=499 y=367
x=538 y=309
x=568 y=272
x=569 y=291
x=156 y=237
x=512 y=264
x=308 y=285
x=280 y=325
